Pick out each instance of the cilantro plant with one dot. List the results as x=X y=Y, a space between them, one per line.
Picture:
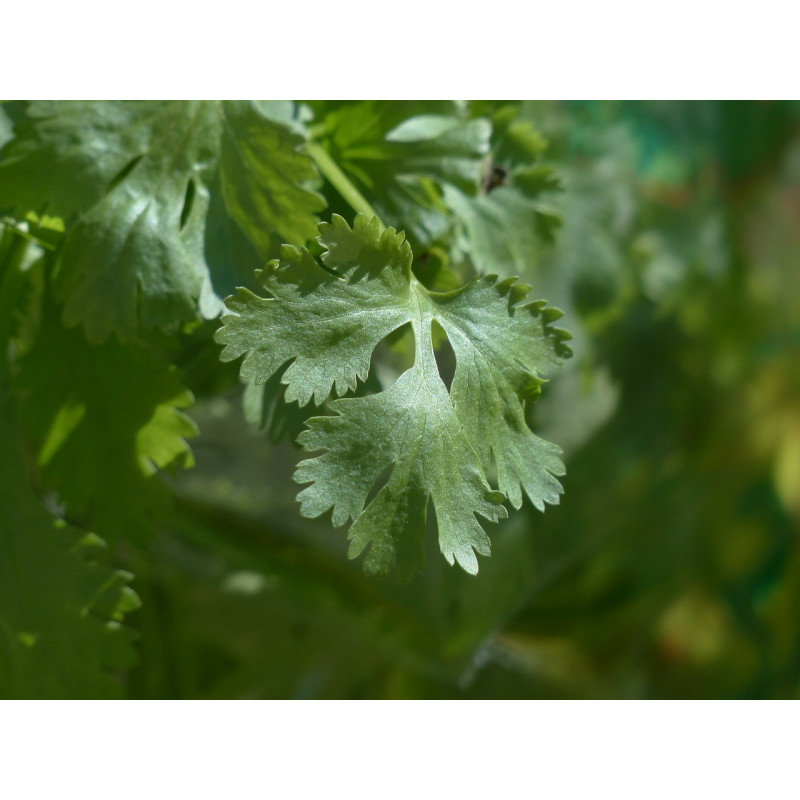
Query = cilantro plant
x=241 y=341
x=389 y=335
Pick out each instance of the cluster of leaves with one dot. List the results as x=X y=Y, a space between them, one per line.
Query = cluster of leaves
x=124 y=227
x=668 y=235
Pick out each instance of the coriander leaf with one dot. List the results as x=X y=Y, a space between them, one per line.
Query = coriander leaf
x=506 y=227
x=112 y=274
x=502 y=342
x=326 y=325
x=326 y=319
x=136 y=178
x=513 y=215
x=264 y=176
x=105 y=418
x=60 y=612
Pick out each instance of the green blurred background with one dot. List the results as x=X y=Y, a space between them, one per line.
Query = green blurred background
x=671 y=569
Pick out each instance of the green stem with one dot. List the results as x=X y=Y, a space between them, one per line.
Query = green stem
x=330 y=170
x=317 y=131
x=12 y=225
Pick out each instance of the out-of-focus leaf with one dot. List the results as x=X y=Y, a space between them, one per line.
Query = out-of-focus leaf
x=60 y=612
x=105 y=418
x=515 y=212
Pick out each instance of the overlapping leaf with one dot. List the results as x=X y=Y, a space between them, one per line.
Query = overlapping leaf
x=6 y=126
x=514 y=214
x=57 y=606
x=104 y=418
x=327 y=320
x=137 y=176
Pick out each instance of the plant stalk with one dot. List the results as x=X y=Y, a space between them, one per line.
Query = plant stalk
x=331 y=171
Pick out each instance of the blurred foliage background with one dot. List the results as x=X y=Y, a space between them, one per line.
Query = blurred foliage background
x=669 y=233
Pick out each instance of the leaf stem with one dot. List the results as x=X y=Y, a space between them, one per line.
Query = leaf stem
x=12 y=225
x=331 y=171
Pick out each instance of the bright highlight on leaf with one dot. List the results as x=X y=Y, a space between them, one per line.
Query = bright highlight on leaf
x=326 y=319
x=152 y=187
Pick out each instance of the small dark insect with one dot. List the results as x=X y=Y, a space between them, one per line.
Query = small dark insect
x=496 y=177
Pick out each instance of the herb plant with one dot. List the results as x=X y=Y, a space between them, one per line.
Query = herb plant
x=242 y=341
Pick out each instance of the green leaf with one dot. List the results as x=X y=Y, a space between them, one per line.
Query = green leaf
x=265 y=407
x=6 y=126
x=137 y=178
x=105 y=418
x=401 y=155
x=264 y=177
x=60 y=612
x=440 y=444
x=506 y=225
